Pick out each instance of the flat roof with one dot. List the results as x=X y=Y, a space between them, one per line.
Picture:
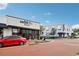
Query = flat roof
x=22 y=18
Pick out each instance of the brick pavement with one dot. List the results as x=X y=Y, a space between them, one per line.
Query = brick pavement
x=66 y=47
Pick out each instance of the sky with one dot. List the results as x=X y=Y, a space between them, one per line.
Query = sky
x=45 y=13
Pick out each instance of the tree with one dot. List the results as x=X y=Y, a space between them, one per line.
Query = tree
x=73 y=35
x=76 y=31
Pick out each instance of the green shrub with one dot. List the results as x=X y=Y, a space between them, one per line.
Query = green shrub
x=73 y=35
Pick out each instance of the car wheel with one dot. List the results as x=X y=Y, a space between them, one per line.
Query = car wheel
x=1 y=45
x=21 y=43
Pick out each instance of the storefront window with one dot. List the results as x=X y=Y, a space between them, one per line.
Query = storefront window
x=1 y=33
x=14 y=31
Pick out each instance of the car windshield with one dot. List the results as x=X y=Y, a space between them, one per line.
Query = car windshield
x=5 y=37
x=11 y=37
x=0 y=38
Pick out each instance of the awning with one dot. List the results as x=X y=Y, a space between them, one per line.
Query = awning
x=21 y=27
x=61 y=33
x=2 y=25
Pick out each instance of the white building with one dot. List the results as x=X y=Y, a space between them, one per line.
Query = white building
x=62 y=30
x=10 y=25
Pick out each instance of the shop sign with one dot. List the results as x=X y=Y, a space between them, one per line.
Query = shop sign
x=27 y=22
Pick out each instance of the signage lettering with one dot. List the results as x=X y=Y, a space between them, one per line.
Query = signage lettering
x=25 y=22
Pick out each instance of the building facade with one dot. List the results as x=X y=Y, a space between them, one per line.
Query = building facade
x=10 y=25
x=61 y=30
x=64 y=30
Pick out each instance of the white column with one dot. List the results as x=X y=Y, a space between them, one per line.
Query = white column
x=7 y=32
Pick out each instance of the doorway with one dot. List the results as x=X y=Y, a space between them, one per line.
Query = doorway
x=1 y=32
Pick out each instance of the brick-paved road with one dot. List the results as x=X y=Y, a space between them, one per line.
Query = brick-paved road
x=60 y=47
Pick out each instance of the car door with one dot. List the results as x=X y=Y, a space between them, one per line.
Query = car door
x=15 y=40
x=11 y=40
x=8 y=41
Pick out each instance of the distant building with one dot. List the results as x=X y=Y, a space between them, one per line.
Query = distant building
x=63 y=30
x=60 y=30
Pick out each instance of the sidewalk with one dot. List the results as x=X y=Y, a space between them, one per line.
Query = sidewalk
x=35 y=41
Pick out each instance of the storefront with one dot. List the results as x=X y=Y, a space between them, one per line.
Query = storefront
x=25 y=32
x=11 y=25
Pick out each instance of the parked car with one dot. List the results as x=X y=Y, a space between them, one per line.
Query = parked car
x=12 y=40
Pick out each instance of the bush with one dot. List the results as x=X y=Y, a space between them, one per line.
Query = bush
x=73 y=35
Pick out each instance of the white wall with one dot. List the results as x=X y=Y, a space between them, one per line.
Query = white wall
x=7 y=32
x=16 y=22
x=3 y=20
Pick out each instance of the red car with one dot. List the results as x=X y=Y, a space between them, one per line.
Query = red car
x=12 y=40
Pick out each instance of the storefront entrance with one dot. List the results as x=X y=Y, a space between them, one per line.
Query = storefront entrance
x=1 y=32
x=26 y=32
x=61 y=35
x=1 y=29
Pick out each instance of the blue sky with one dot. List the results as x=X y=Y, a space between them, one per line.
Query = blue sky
x=43 y=13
